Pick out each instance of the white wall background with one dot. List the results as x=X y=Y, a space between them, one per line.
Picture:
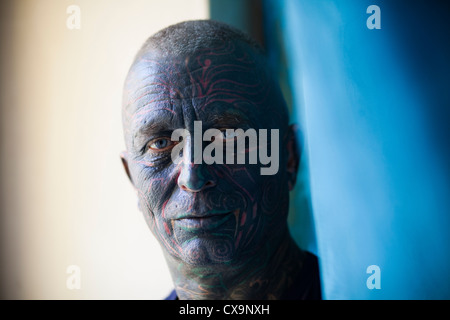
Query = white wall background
x=66 y=198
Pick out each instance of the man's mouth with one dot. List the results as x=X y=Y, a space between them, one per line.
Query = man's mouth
x=207 y=222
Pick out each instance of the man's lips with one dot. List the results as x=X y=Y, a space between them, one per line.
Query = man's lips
x=208 y=221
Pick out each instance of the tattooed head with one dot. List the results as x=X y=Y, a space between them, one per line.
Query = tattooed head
x=206 y=215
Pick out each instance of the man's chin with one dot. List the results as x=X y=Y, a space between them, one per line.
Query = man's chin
x=202 y=251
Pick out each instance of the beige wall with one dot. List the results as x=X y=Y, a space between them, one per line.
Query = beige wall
x=65 y=198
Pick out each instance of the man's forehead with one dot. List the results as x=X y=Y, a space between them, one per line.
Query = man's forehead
x=182 y=114
x=204 y=67
x=212 y=76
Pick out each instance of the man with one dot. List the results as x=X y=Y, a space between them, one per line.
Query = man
x=222 y=224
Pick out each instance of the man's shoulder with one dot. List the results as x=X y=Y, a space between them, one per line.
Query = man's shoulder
x=172 y=296
x=307 y=284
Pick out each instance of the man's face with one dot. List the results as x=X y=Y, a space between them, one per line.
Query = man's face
x=204 y=214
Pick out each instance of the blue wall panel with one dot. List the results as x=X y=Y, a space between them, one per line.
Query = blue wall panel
x=375 y=109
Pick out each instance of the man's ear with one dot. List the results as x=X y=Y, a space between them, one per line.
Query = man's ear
x=124 y=158
x=294 y=153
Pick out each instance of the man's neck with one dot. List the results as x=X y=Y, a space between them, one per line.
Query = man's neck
x=268 y=274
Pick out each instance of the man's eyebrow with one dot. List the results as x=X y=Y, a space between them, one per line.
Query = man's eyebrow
x=151 y=124
x=151 y=112
x=230 y=118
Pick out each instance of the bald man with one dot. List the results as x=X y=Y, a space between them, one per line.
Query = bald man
x=195 y=92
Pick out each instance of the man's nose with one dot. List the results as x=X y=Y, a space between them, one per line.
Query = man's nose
x=194 y=177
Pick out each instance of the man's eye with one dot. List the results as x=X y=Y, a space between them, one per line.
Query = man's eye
x=160 y=144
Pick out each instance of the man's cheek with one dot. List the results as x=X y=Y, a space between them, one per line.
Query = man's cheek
x=150 y=205
x=146 y=209
x=152 y=193
x=274 y=199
